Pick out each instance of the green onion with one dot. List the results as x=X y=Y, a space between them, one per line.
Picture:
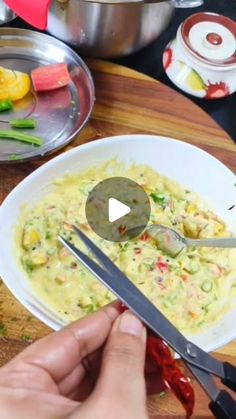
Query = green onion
x=207 y=286
x=23 y=123
x=20 y=136
x=6 y=105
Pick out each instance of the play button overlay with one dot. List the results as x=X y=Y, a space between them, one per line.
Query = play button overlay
x=118 y=209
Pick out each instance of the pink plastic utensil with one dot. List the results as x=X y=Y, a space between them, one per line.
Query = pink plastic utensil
x=34 y=12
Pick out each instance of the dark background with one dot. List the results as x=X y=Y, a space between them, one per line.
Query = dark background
x=149 y=61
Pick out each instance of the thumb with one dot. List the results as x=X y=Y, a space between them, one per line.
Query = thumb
x=121 y=379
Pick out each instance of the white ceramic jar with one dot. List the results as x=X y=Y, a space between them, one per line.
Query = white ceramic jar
x=201 y=60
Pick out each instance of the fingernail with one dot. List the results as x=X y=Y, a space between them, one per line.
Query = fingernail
x=131 y=325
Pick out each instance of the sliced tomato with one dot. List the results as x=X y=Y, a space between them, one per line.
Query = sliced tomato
x=50 y=77
x=14 y=85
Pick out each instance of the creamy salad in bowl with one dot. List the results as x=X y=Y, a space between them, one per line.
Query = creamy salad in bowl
x=189 y=190
x=194 y=289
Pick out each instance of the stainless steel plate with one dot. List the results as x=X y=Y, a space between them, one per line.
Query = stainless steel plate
x=61 y=113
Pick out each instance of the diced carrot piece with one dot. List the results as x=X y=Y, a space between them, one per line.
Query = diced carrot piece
x=50 y=77
x=185 y=277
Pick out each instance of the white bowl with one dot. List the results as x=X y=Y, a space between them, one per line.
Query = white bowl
x=188 y=165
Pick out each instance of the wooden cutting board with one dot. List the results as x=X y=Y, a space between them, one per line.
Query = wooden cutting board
x=127 y=102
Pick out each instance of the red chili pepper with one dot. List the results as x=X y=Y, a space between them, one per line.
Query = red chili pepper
x=121 y=230
x=144 y=237
x=159 y=353
x=162 y=266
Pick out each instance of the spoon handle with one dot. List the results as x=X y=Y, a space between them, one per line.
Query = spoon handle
x=230 y=242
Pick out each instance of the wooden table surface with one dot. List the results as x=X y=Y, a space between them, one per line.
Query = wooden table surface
x=127 y=102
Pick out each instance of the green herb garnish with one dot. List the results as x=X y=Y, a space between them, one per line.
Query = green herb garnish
x=158 y=198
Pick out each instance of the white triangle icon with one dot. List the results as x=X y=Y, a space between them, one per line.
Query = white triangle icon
x=116 y=210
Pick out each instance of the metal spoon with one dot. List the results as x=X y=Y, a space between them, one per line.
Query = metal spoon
x=172 y=242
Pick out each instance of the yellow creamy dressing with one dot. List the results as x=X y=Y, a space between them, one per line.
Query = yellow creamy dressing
x=193 y=289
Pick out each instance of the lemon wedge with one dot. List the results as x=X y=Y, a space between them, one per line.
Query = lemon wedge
x=14 y=85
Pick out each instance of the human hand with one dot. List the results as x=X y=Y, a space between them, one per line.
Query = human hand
x=68 y=375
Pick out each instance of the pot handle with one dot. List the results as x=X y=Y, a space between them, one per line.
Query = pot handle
x=34 y=12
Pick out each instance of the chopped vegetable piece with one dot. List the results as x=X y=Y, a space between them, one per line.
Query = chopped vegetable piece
x=20 y=136
x=121 y=230
x=23 y=123
x=14 y=85
x=162 y=266
x=5 y=105
x=158 y=198
x=144 y=237
x=50 y=77
x=29 y=266
x=90 y=308
x=207 y=286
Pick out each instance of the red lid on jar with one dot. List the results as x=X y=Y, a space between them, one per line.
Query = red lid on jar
x=211 y=38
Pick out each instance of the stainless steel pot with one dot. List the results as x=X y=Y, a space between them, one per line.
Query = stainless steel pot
x=108 y=29
x=6 y=15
